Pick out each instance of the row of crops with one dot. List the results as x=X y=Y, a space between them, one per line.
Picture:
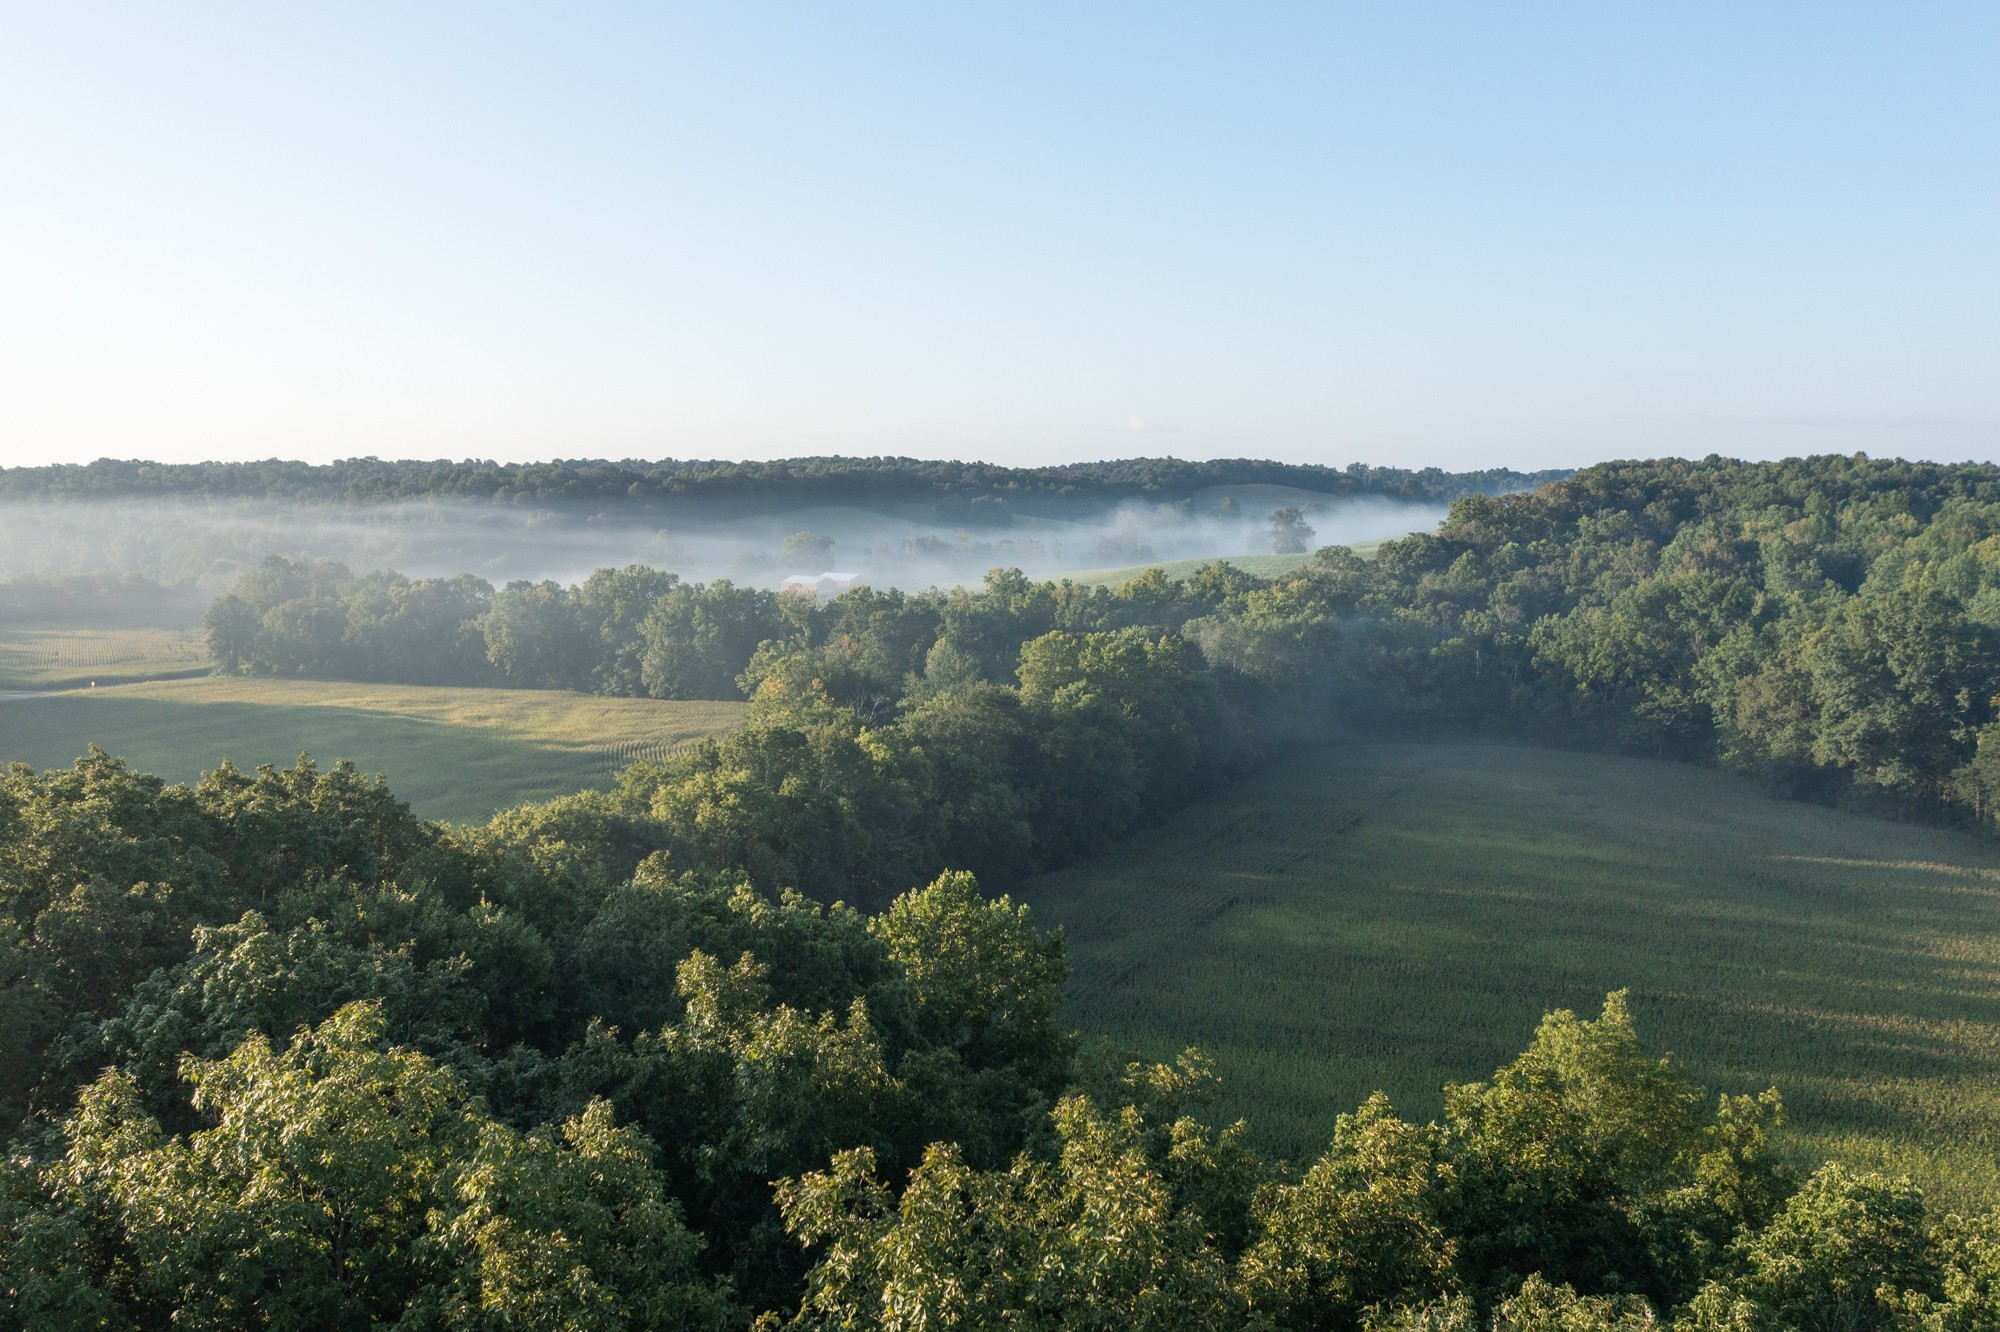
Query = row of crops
x=73 y=658
x=620 y=754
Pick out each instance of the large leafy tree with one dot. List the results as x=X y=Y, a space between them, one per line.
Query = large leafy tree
x=1090 y=1240
x=1589 y=1160
x=299 y=1205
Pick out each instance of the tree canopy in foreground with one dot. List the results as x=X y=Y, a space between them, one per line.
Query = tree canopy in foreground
x=284 y=1056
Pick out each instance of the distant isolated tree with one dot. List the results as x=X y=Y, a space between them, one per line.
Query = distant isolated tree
x=1291 y=534
x=808 y=550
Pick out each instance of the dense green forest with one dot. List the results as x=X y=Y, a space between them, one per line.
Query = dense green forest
x=890 y=735
x=282 y=1055
x=1832 y=625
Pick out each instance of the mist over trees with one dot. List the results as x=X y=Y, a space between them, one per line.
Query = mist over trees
x=1830 y=625
x=1291 y=534
x=126 y=599
x=899 y=522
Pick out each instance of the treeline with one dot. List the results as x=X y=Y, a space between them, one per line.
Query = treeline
x=1831 y=625
x=823 y=480
x=642 y=632
x=890 y=735
x=285 y=1056
x=632 y=631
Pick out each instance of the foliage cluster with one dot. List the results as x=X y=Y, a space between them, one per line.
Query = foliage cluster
x=643 y=631
x=889 y=735
x=480 y=998
x=1830 y=624
x=288 y=1057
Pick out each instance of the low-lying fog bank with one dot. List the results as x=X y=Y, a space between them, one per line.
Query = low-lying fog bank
x=203 y=545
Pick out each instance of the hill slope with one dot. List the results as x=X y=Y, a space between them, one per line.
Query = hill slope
x=1398 y=916
x=457 y=754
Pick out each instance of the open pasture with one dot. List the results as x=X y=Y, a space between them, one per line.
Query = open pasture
x=1400 y=916
x=457 y=754
x=71 y=658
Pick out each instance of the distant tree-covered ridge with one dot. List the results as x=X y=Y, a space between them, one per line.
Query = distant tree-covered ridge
x=282 y=1055
x=820 y=480
x=1831 y=625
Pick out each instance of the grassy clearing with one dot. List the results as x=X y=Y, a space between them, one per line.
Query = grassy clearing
x=1399 y=916
x=72 y=658
x=456 y=754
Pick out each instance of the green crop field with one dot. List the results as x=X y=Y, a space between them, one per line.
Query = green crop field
x=1399 y=916
x=456 y=754
x=72 y=658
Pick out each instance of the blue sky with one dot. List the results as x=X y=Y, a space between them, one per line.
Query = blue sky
x=1462 y=235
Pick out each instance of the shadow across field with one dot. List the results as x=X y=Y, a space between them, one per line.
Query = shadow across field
x=1397 y=917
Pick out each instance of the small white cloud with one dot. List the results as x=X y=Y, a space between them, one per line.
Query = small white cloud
x=1139 y=425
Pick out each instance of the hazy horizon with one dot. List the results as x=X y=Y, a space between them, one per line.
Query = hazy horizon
x=207 y=543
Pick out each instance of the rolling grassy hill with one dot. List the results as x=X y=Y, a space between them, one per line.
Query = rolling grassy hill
x=457 y=754
x=1399 y=916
